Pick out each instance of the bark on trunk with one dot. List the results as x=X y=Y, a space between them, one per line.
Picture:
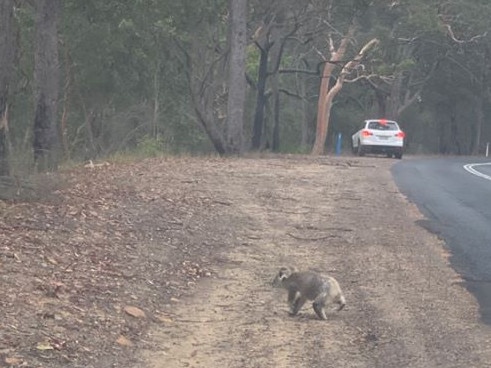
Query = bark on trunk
x=276 y=55
x=156 y=101
x=67 y=89
x=4 y=142
x=276 y=114
x=257 y=130
x=206 y=121
x=381 y=102
x=321 y=128
x=323 y=106
x=6 y=66
x=479 y=123
x=326 y=104
x=46 y=76
x=237 y=81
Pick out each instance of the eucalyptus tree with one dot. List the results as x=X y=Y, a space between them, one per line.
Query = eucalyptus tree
x=236 y=81
x=6 y=69
x=416 y=41
x=201 y=38
x=409 y=54
x=46 y=78
x=123 y=84
x=342 y=21
x=274 y=24
x=458 y=96
x=291 y=39
x=140 y=70
x=467 y=26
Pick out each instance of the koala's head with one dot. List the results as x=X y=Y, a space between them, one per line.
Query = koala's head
x=282 y=275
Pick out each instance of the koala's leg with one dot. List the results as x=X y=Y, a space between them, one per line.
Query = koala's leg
x=292 y=296
x=319 y=305
x=297 y=304
x=341 y=301
x=335 y=293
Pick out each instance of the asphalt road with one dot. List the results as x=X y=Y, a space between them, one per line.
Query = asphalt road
x=455 y=197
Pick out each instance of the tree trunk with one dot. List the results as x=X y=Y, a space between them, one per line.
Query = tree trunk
x=321 y=129
x=276 y=114
x=381 y=97
x=395 y=101
x=323 y=108
x=237 y=81
x=206 y=121
x=67 y=89
x=156 y=101
x=258 y=127
x=200 y=98
x=46 y=77
x=479 y=121
x=454 y=135
x=327 y=92
x=276 y=55
x=6 y=66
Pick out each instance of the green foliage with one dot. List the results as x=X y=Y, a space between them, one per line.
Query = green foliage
x=127 y=65
x=148 y=146
x=405 y=65
x=252 y=62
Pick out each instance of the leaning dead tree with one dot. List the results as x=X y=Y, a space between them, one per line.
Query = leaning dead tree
x=327 y=90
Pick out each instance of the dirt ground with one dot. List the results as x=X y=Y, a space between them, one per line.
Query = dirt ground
x=168 y=263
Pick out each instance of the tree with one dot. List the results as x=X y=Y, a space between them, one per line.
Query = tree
x=343 y=22
x=237 y=81
x=264 y=44
x=126 y=83
x=279 y=20
x=329 y=91
x=6 y=67
x=46 y=77
x=270 y=37
x=201 y=38
x=467 y=28
x=409 y=53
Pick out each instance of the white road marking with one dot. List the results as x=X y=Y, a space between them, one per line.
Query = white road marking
x=470 y=168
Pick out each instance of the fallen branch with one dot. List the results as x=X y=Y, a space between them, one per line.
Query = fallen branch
x=312 y=239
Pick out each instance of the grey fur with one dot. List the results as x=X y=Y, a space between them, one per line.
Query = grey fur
x=303 y=286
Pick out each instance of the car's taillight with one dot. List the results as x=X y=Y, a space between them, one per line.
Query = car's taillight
x=366 y=133
x=400 y=135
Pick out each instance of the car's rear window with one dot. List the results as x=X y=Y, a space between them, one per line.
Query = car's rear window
x=382 y=125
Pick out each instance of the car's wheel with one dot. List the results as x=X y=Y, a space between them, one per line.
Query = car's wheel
x=398 y=155
x=353 y=149
x=361 y=150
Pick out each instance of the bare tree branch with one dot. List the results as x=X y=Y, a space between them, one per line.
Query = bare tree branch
x=355 y=63
x=455 y=39
x=368 y=77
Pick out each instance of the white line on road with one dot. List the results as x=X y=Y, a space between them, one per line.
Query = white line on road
x=470 y=168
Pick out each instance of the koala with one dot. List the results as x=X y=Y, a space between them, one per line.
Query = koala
x=303 y=286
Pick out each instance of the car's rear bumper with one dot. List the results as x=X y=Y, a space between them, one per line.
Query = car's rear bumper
x=368 y=148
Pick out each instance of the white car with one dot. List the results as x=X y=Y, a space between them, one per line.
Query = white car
x=379 y=136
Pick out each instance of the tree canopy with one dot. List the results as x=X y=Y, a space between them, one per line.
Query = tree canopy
x=156 y=75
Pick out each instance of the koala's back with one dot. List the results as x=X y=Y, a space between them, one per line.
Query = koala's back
x=308 y=283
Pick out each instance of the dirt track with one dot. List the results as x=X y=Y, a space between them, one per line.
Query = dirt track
x=194 y=243
x=406 y=307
